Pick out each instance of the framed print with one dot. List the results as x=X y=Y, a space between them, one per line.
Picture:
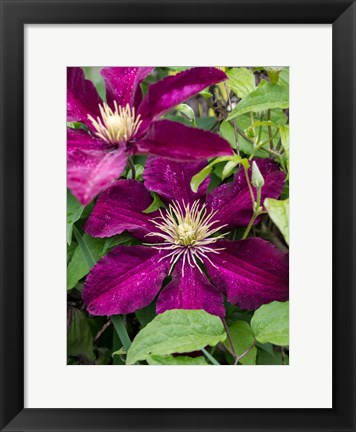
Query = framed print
x=177 y=192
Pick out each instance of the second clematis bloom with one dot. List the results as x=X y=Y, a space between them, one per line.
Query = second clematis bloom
x=128 y=124
x=186 y=240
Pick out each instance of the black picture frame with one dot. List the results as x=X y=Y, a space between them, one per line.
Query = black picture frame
x=14 y=15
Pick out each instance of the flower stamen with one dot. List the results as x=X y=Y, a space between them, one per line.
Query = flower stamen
x=187 y=231
x=118 y=126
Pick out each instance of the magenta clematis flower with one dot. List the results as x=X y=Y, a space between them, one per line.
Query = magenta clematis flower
x=186 y=240
x=128 y=124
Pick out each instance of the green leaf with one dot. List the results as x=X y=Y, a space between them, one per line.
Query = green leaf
x=284 y=132
x=203 y=174
x=279 y=212
x=74 y=212
x=266 y=96
x=146 y=314
x=270 y=323
x=176 y=331
x=187 y=111
x=179 y=360
x=241 y=81
x=156 y=204
x=79 y=337
x=228 y=169
x=242 y=338
x=78 y=266
x=227 y=132
x=283 y=78
x=273 y=73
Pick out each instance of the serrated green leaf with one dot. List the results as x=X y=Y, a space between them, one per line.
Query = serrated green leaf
x=270 y=323
x=74 y=212
x=156 y=204
x=242 y=339
x=266 y=96
x=178 y=360
x=176 y=331
x=278 y=211
x=79 y=337
x=241 y=81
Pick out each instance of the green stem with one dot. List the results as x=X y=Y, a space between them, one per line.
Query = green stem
x=84 y=248
x=256 y=212
x=210 y=357
x=121 y=331
x=132 y=167
x=249 y=186
x=270 y=130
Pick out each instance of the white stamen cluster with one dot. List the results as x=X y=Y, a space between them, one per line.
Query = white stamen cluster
x=187 y=231
x=115 y=127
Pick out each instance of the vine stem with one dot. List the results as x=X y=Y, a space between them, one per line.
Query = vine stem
x=245 y=352
x=132 y=167
x=233 y=352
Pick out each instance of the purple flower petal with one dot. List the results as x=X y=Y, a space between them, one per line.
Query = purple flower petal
x=80 y=139
x=91 y=171
x=176 y=141
x=125 y=280
x=251 y=272
x=171 y=180
x=233 y=200
x=173 y=90
x=191 y=290
x=120 y=208
x=123 y=84
x=82 y=97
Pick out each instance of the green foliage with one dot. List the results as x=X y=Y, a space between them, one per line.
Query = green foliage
x=279 y=212
x=176 y=331
x=178 y=360
x=242 y=339
x=266 y=96
x=241 y=81
x=79 y=337
x=156 y=204
x=74 y=212
x=270 y=323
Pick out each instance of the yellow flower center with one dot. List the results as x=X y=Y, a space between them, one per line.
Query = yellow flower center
x=118 y=126
x=187 y=231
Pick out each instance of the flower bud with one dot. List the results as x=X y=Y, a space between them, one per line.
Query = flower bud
x=257 y=178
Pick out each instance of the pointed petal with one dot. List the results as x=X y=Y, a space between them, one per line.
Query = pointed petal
x=233 y=200
x=120 y=208
x=91 y=171
x=173 y=140
x=251 y=272
x=82 y=97
x=125 y=280
x=191 y=290
x=173 y=90
x=80 y=139
x=123 y=84
x=171 y=180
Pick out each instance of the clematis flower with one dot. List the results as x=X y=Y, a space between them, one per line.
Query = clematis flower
x=128 y=124
x=187 y=239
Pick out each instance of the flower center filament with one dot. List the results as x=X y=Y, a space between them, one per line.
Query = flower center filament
x=115 y=127
x=187 y=232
